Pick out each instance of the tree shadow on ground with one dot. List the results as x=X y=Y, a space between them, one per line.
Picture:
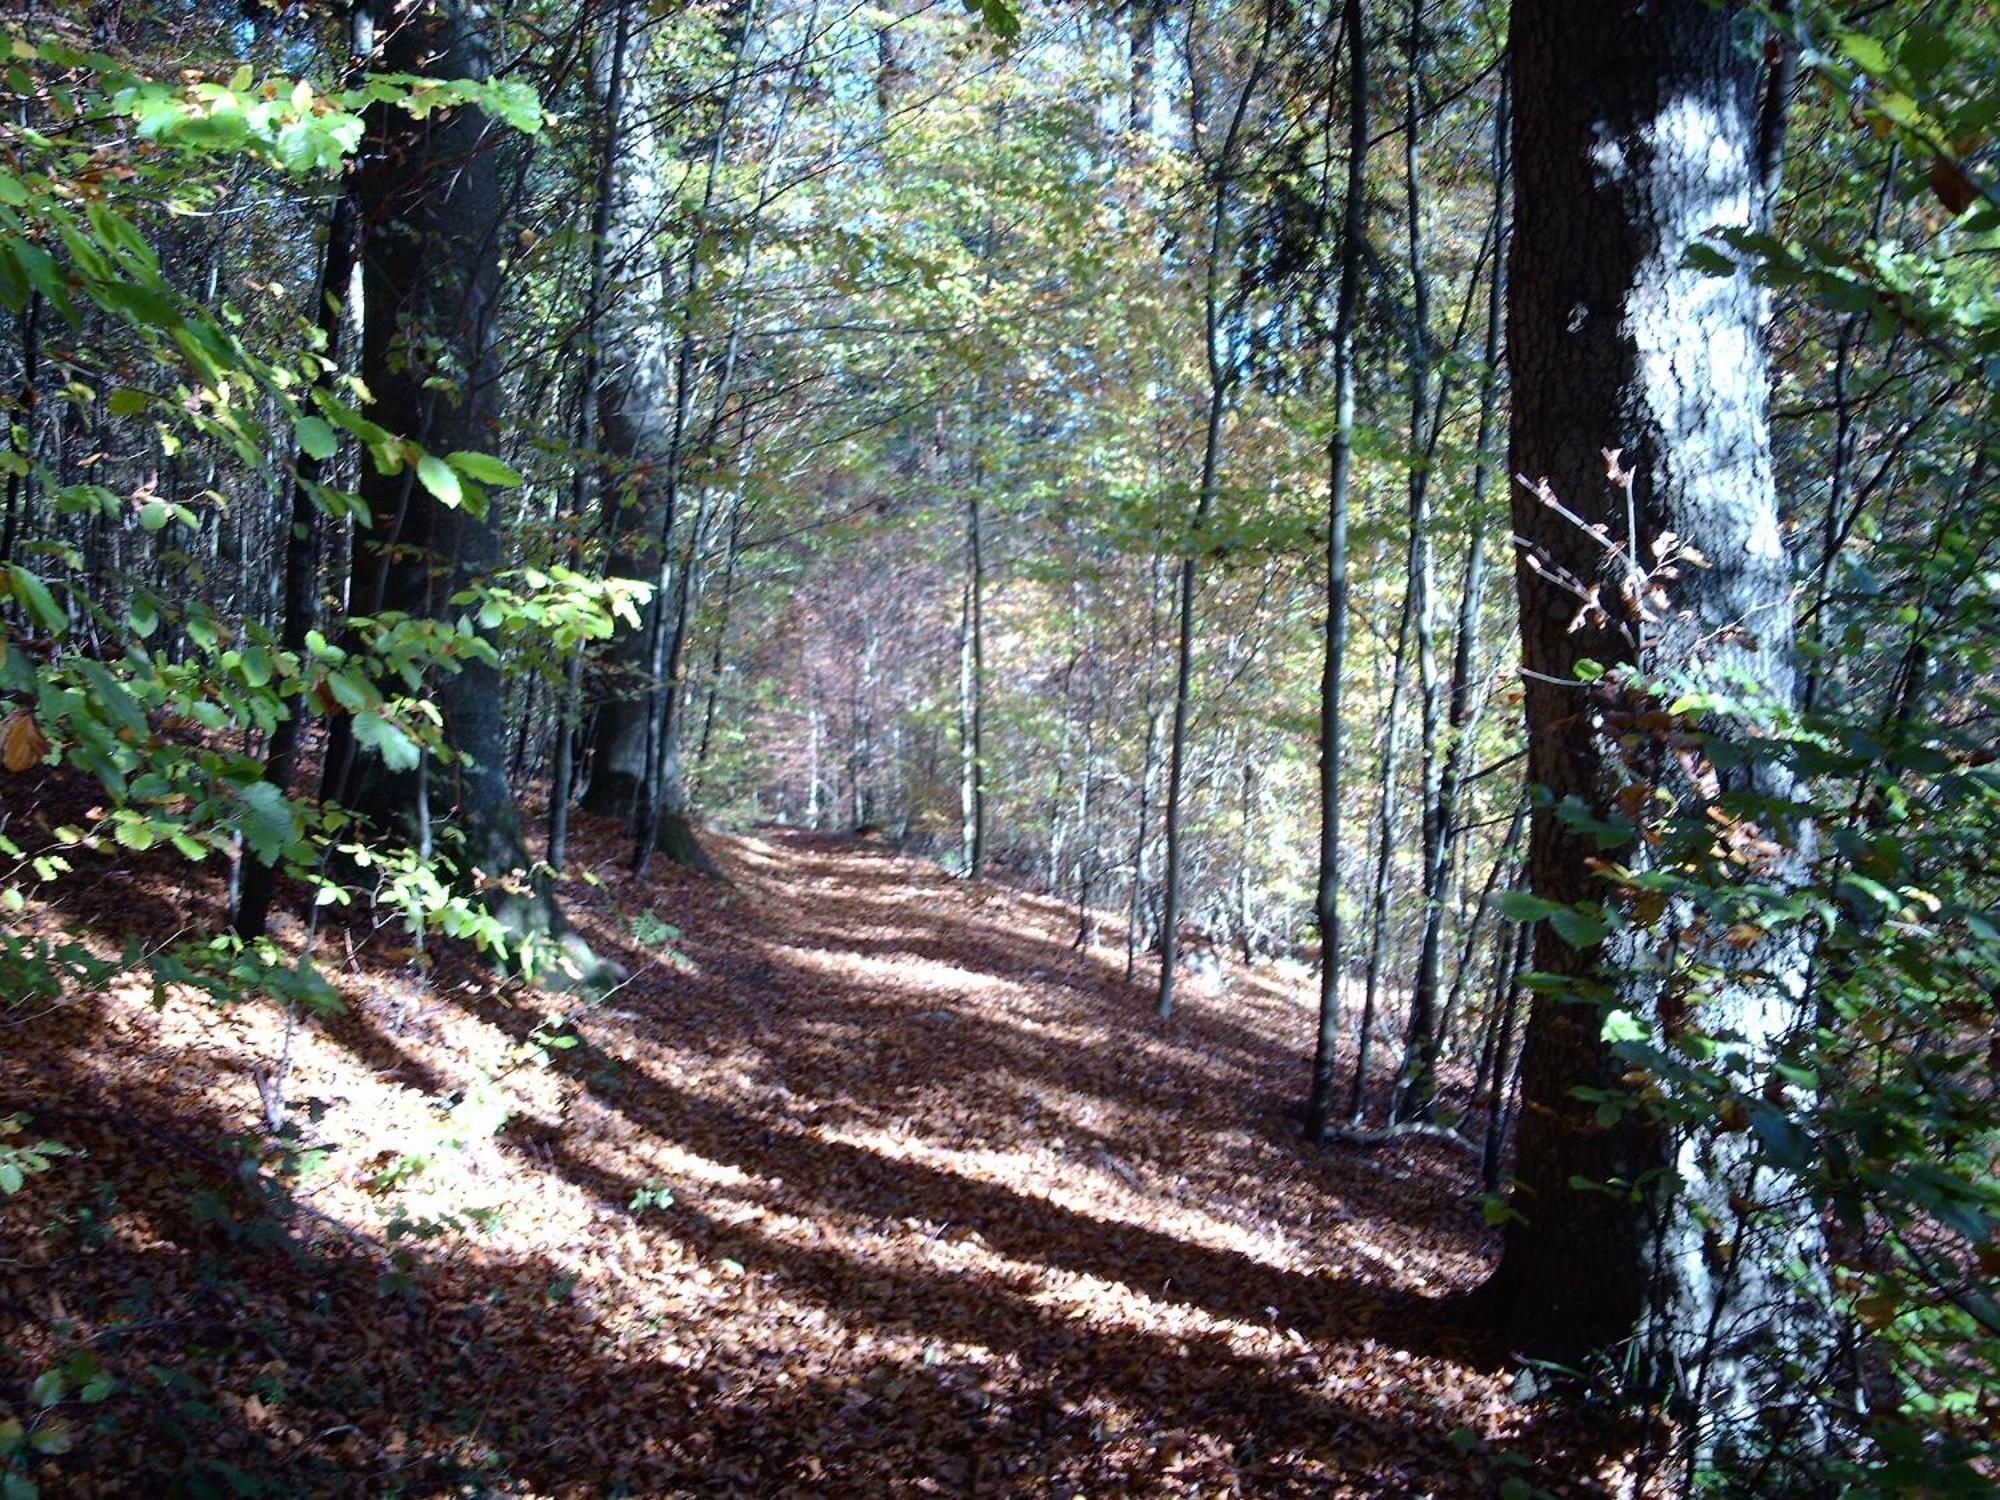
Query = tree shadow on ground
x=895 y=1325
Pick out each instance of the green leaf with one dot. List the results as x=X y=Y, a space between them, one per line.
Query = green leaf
x=484 y=469
x=1708 y=260
x=1865 y=52
x=316 y=437
x=1580 y=929
x=1623 y=1026
x=440 y=479
x=38 y=601
x=350 y=689
x=398 y=751
x=109 y=695
x=1522 y=906
x=265 y=820
x=1786 y=1147
x=1000 y=18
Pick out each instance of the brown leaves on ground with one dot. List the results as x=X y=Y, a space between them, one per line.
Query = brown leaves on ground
x=873 y=1186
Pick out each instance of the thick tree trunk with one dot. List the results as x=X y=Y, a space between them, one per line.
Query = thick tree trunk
x=639 y=419
x=1633 y=142
x=649 y=429
x=430 y=198
x=608 y=91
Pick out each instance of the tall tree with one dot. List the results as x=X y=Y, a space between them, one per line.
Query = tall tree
x=1221 y=361
x=1632 y=142
x=429 y=196
x=1339 y=485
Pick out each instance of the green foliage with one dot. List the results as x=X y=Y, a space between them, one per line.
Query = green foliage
x=17 y=1161
x=1880 y=1105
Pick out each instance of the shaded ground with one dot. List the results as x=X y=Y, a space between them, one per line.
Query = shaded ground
x=868 y=1184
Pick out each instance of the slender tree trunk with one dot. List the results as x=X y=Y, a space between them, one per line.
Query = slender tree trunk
x=972 y=693
x=728 y=593
x=302 y=551
x=1442 y=783
x=1414 y=1082
x=1140 y=22
x=1086 y=803
x=1339 y=486
x=1148 y=759
x=1504 y=862
x=1501 y=1072
x=1221 y=379
x=1385 y=867
x=21 y=482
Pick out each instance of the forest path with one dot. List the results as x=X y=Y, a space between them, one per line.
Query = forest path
x=875 y=1186
x=1023 y=1234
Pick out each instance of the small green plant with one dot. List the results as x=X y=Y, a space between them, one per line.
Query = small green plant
x=654 y=1195
x=18 y=1161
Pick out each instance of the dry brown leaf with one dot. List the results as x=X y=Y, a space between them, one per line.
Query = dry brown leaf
x=22 y=743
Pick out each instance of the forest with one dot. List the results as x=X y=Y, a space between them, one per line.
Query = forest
x=1149 y=747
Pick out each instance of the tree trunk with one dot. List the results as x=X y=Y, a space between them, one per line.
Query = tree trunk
x=1385 y=870
x=1339 y=486
x=647 y=413
x=972 y=693
x=302 y=552
x=430 y=196
x=1414 y=1082
x=1443 y=782
x=1221 y=380
x=1148 y=760
x=1632 y=142
x=608 y=90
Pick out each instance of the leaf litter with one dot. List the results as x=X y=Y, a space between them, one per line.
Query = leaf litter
x=867 y=1182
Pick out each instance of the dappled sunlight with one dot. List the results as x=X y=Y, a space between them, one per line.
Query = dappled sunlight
x=827 y=1206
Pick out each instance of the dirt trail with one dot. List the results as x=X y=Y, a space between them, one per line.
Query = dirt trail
x=873 y=1185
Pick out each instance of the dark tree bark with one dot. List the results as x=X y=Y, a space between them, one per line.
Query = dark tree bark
x=1414 y=1084
x=430 y=203
x=1632 y=142
x=607 y=85
x=302 y=556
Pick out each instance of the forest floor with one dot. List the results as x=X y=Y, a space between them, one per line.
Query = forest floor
x=867 y=1183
